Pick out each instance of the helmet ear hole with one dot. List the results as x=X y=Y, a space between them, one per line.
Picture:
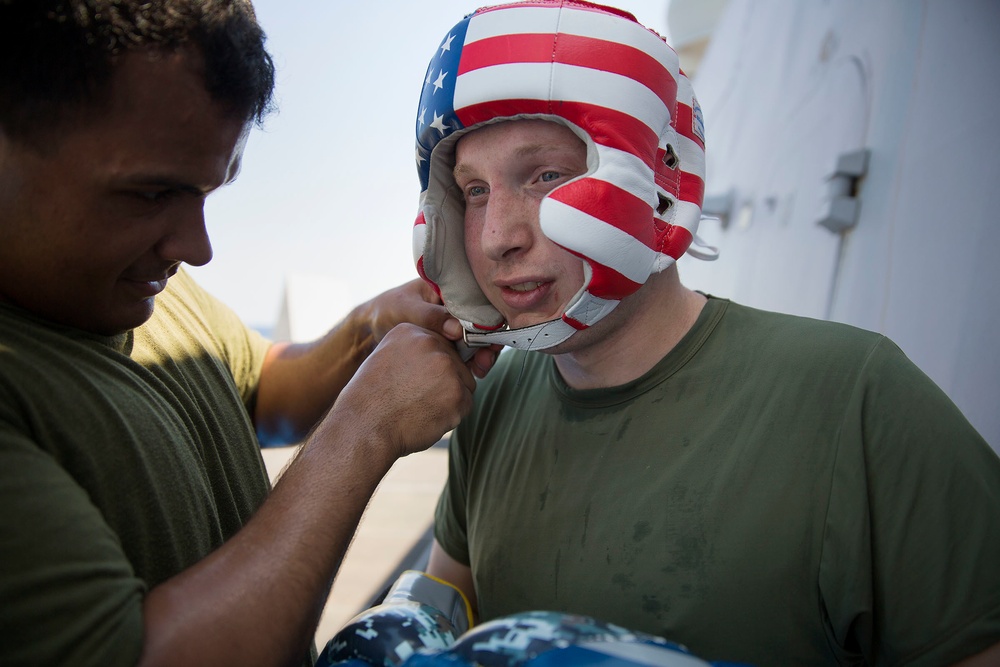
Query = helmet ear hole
x=665 y=204
x=670 y=157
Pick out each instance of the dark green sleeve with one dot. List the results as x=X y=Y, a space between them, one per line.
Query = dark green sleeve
x=450 y=519
x=68 y=593
x=908 y=573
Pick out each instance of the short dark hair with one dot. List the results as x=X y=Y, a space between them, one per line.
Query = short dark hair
x=57 y=57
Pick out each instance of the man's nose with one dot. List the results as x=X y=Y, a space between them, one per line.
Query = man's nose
x=510 y=225
x=187 y=238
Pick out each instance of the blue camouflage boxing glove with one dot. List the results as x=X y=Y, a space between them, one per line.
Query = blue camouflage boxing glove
x=553 y=639
x=418 y=612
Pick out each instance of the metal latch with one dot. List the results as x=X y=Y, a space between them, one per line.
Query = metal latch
x=841 y=205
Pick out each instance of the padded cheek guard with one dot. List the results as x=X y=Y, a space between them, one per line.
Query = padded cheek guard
x=618 y=86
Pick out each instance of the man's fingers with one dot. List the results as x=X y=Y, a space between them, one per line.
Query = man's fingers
x=452 y=328
x=483 y=359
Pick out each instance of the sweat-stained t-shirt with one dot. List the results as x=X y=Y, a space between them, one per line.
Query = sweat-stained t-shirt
x=776 y=491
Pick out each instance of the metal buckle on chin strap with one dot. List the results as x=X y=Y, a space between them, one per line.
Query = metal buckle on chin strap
x=473 y=343
x=467 y=348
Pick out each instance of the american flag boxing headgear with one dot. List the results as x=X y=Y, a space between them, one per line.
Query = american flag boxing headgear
x=619 y=87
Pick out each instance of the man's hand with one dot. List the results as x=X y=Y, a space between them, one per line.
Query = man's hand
x=408 y=393
x=417 y=303
x=300 y=382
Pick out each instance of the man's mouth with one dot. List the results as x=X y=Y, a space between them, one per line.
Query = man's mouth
x=525 y=287
x=158 y=277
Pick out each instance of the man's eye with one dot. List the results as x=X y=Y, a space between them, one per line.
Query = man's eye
x=475 y=191
x=550 y=176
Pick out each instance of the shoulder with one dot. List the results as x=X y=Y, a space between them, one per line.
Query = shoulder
x=824 y=368
x=794 y=339
x=185 y=295
x=190 y=324
x=786 y=327
x=187 y=315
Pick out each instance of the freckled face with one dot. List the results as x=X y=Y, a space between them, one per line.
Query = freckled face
x=91 y=230
x=504 y=170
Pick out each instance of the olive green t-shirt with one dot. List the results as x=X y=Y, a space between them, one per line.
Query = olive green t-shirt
x=123 y=461
x=776 y=491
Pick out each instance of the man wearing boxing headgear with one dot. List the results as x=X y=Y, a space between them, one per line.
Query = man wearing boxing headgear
x=760 y=487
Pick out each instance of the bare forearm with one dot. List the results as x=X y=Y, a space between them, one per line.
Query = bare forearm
x=443 y=566
x=301 y=381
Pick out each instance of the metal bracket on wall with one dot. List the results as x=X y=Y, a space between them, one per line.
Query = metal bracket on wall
x=719 y=206
x=841 y=205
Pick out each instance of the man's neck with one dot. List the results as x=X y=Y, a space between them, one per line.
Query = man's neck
x=634 y=337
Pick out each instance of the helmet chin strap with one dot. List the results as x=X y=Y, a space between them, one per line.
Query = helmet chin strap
x=536 y=337
x=584 y=307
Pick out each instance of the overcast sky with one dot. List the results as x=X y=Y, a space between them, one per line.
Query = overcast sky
x=328 y=190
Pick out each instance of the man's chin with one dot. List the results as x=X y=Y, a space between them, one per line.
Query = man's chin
x=120 y=320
